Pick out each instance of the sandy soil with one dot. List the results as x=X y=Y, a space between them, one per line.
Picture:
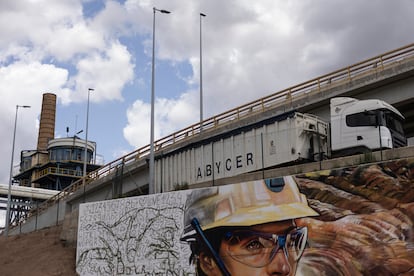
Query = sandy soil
x=39 y=253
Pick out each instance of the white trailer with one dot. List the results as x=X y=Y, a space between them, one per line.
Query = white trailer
x=288 y=138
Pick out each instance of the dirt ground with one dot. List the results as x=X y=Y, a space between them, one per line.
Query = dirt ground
x=39 y=253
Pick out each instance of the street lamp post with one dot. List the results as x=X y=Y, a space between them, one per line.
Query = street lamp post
x=73 y=146
x=151 y=164
x=86 y=144
x=11 y=173
x=201 y=75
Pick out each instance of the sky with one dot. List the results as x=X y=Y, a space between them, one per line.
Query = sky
x=250 y=49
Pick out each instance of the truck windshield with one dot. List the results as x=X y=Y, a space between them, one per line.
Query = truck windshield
x=393 y=122
x=369 y=118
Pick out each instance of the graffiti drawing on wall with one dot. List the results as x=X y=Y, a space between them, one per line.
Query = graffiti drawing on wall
x=351 y=221
x=135 y=236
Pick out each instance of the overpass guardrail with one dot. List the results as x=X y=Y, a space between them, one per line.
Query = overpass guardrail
x=283 y=98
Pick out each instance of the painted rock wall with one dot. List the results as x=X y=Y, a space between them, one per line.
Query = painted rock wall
x=366 y=220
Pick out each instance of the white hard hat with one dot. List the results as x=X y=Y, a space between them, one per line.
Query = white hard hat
x=245 y=204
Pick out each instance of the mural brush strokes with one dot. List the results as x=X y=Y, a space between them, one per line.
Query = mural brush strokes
x=364 y=227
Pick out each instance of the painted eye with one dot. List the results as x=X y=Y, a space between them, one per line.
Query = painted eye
x=258 y=244
x=254 y=245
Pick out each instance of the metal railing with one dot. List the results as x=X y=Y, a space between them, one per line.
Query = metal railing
x=58 y=171
x=281 y=98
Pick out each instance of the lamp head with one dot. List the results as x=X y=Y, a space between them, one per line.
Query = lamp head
x=161 y=11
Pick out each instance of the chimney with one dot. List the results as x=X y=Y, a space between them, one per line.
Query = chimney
x=47 y=121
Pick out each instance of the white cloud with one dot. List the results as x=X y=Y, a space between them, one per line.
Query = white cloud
x=48 y=32
x=106 y=72
x=138 y=128
x=68 y=41
x=38 y=24
x=169 y=116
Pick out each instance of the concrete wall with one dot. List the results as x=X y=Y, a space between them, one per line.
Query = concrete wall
x=53 y=215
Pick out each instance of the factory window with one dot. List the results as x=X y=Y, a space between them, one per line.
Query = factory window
x=26 y=163
x=67 y=155
x=52 y=155
x=79 y=154
x=57 y=154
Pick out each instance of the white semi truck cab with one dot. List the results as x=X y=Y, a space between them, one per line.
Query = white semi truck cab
x=359 y=126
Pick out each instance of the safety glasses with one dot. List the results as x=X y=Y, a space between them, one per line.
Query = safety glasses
x=257 y=249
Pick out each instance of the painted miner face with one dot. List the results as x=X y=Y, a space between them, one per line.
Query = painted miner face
x=266 y=249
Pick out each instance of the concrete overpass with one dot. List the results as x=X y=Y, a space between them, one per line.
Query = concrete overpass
x=389 y=77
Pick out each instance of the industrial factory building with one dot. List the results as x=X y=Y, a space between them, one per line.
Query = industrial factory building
x=57 y=162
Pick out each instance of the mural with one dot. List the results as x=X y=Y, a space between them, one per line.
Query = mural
x=351 y=221
x=132 y=236
x=366 y=220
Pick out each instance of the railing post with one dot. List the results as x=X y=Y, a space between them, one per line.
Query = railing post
x=261 y=142
x=57 y=212
x=37 y=214
x=382 y=63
